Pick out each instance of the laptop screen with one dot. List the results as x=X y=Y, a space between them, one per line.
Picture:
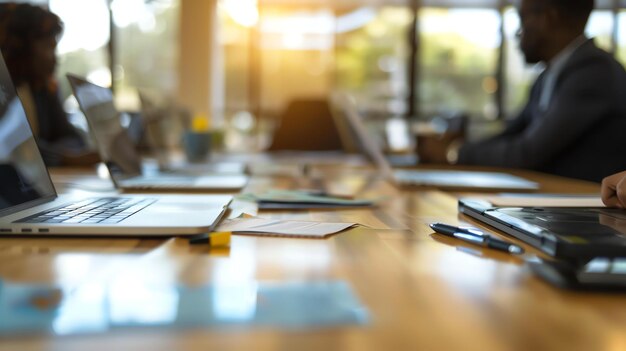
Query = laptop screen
x=115 y=146
x=23 y=175
x=349 y=119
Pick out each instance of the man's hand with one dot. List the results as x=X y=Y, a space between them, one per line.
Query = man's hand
x=614 y=190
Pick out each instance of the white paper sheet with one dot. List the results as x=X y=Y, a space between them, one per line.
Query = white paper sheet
x=261 y=226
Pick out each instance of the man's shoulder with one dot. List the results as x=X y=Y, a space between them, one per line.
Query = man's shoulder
x=589 y=54
x=592 y=64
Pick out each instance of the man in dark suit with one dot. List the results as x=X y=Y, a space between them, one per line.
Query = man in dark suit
x=574 y=122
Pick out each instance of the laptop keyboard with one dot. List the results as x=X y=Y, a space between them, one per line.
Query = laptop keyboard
x=109 y=210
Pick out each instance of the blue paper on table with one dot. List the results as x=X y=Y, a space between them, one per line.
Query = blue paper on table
x=294 y=199
x=100 y=308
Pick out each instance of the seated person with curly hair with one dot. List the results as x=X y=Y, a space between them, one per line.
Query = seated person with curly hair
x=28 y=40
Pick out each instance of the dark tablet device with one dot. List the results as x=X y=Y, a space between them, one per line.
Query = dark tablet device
x=574 y=233
x=598 y=274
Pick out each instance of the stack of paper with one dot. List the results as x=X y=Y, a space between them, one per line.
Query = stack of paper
x=271 y=227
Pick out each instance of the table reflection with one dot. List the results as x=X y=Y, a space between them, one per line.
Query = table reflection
x=124 y=304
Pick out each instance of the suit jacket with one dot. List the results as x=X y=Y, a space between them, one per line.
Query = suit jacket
x=582 y=134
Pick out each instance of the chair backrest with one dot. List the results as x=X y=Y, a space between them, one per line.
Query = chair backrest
x=307 y=125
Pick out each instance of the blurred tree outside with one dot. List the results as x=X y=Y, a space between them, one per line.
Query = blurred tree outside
x=371 y=61
x=147 y=52
x=458 y=60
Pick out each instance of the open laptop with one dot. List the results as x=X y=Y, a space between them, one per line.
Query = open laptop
x=29 y=204
x=120 y=154
x=351 y=122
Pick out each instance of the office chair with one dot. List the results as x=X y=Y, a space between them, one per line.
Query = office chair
x=306 y=125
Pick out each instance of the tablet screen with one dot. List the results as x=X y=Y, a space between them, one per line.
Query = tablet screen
x=574 y=225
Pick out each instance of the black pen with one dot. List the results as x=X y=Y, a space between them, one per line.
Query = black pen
x=477 y=237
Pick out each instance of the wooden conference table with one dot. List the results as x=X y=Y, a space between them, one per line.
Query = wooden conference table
x=421 y=291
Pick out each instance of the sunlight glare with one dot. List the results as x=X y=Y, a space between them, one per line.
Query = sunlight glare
x=477 y=26
x=127 y=12
x=86 y=24
x=243 y=12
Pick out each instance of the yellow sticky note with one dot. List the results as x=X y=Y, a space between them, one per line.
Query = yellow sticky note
x=220 y=238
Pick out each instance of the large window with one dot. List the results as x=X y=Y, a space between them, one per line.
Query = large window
x=296 y=54
x=83 y=46
x=235 y=39
x=300 y=52
x=459 y=54
x=146 y=51
x=274 y=51
x=621 y=36
x=372 y=57
x=600 y=27
x=145 y=45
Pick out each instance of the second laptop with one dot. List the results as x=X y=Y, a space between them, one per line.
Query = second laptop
x=120 y=154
